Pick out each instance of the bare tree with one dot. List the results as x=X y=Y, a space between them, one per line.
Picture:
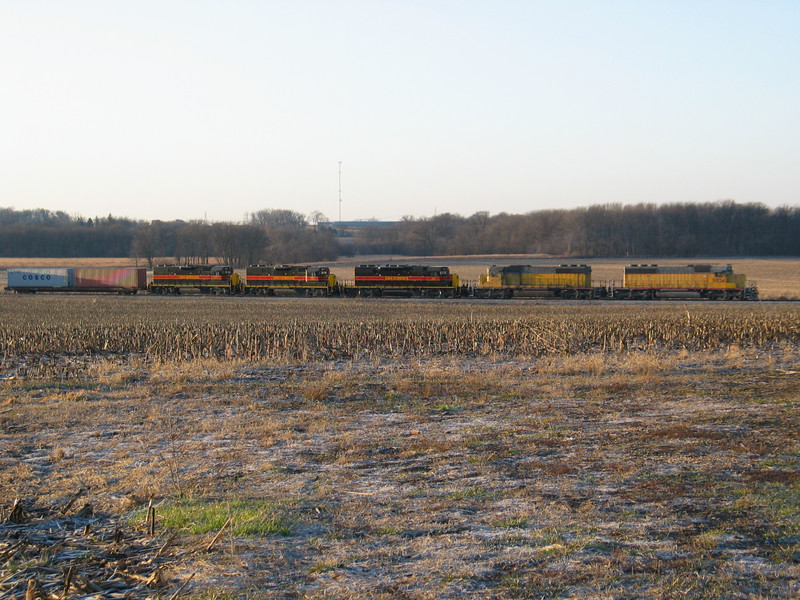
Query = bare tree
x=278 y=218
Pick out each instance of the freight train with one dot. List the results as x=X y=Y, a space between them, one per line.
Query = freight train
x=639 y=282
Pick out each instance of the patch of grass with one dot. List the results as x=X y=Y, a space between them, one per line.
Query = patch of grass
x=473 y=493
x=248 y=518
x=512 y=523
x=327 y=566
x=212 y=595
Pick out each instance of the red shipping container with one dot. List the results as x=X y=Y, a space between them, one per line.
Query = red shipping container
x=112 y=279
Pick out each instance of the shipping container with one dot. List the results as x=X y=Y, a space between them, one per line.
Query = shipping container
x=41 y=278
x=126 y=279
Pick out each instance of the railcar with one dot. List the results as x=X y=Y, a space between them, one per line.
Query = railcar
x=125 y=280
x=207 y=279
x=404 y=280
x=270 y=280
x=548 y=281
x=647 y=282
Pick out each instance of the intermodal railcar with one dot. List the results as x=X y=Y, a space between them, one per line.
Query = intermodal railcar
x=125 y=280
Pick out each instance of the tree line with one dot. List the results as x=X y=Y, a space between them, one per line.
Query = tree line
x=266 y=236
x=722 y=228
x=285 y=236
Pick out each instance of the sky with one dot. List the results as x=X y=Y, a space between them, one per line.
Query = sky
x=212 y=109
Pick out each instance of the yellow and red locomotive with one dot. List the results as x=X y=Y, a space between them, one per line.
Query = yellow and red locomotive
x=208 y=279
x=404 y=280
x=269 y=280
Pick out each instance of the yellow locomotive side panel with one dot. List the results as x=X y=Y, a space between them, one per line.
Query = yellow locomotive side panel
x=490 y=281
x=539 y=277
x=555 y=280
x=708 y=281
x=665 y=280
x=739 y=281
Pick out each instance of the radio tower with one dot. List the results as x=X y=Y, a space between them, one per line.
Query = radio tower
x=340 y=191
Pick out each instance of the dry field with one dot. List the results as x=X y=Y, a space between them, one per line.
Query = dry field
x=399 y=449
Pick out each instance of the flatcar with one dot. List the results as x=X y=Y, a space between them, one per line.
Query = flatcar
x=207 y=279
x=125 y=280
x=404 y=280
x=561 y=281
x=647 y=282
x=271 y=280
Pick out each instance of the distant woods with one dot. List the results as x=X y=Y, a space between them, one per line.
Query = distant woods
x=267 y=236
x=647 y=230
x=286 y=236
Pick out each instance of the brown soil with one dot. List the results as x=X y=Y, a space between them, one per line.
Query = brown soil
x=603 y=476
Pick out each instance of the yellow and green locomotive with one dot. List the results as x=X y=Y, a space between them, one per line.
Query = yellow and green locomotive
x=646 y=282
x=548 y=281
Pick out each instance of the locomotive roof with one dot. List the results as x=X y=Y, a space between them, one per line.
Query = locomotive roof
x=695 y=268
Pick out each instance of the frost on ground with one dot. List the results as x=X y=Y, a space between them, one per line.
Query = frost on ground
x=669 y=475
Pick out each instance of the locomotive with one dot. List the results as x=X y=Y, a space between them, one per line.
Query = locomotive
x=209 y=279
x=646 y=282
x=269 y=280
x=404 y=280
x=640 y=282
x=562 y=281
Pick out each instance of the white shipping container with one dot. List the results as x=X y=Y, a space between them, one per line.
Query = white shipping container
x=41 y=278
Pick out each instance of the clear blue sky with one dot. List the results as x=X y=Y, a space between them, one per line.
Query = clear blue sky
x=170 y=109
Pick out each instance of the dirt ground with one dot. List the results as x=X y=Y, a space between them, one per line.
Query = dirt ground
x=592 y=476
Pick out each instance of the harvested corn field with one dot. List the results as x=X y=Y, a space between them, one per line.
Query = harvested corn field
x=186 y=329
x=399 y=449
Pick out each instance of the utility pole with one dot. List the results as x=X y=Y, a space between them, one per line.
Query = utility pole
x=340 y=191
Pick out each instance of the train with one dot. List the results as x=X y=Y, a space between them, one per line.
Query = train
x=566 y=281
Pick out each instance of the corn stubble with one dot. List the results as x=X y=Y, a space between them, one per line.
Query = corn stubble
x=419 y=449
x=334 y=330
